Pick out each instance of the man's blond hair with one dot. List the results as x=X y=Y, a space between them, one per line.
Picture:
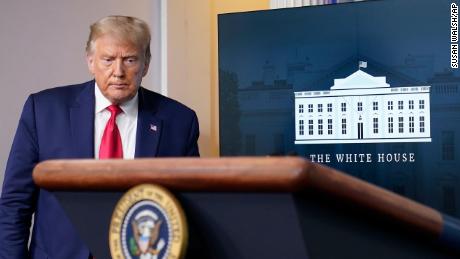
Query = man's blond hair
x=124 y=28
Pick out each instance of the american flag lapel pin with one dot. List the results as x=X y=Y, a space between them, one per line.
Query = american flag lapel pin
x=153 y=128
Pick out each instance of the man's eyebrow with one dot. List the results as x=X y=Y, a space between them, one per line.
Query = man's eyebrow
x=130 y=56
x=107 y=55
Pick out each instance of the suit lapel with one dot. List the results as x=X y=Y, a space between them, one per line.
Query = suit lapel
x=149 y=127
x=82 y=123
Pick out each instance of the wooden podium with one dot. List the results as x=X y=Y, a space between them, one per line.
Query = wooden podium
x=282 y=207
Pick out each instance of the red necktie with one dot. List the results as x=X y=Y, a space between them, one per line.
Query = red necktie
x=111 y=140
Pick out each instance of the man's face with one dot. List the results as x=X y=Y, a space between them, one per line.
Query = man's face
x=118 y=67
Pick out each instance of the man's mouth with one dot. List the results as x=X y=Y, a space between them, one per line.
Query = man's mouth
x=118 y=85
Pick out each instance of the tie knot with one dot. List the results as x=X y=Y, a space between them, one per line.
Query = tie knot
x=114 y=109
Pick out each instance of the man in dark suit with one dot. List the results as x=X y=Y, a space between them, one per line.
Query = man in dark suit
x=109 y=117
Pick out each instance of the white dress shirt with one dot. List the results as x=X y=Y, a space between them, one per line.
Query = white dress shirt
x=126 y=122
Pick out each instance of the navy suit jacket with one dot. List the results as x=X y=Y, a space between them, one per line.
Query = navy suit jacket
x=59 y=123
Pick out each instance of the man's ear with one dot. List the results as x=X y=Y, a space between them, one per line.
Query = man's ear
x=90 y=62
x=146 y=69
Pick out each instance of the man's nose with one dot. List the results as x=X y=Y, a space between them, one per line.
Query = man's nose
x=118 y=70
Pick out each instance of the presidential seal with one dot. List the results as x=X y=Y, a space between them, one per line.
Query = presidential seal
x=148 y=223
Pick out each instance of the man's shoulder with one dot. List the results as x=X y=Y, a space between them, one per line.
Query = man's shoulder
x=63 y=91
x=165 y=104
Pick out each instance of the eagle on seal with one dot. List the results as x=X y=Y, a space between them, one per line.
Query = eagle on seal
x=146 y=230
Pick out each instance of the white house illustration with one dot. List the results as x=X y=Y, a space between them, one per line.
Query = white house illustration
x=363 y=109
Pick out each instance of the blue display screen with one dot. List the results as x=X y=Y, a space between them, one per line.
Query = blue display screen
x=370 y=88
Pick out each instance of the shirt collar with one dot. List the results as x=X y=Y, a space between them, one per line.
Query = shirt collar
x=130 y=107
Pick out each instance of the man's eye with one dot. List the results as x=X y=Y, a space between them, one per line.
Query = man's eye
x=107 y=60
